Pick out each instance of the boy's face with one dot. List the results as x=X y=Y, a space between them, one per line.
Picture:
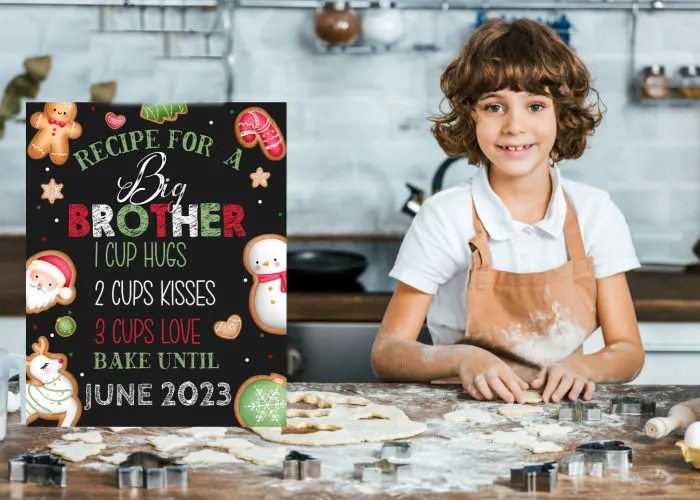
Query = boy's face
x=507 y=119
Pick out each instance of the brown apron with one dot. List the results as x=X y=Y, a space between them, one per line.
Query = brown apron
x=540 y=317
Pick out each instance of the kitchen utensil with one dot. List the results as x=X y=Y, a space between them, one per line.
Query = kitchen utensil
x=400 y=450
x=633 y=406
x=536 y=477
x=578 y=411
x=8 y=361
x=679 y=417
x=44 y=470
x=337 y=24
x=300 y=466
x=382 y=470
x=383 y=25
x=324 y=266
x=147 y=470
x=615 y=454
x=573 y=465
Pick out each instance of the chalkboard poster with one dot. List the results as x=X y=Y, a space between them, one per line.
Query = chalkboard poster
x=156 y=264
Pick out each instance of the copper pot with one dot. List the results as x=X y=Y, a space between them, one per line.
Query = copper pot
x=337 y=24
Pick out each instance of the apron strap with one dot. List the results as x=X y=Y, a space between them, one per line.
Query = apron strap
x=479 y=244
x=572 y=233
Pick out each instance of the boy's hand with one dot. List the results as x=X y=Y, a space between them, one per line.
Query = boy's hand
x=562 y=378
x=482 y=374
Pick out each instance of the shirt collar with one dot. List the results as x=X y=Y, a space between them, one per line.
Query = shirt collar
x=498 y=221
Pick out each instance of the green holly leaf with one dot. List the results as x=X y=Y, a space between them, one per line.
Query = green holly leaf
x=160 y=113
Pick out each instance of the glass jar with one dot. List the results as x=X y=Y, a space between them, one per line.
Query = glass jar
x=689 y=83
x=654 y=83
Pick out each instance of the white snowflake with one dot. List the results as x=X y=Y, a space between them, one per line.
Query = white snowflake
x=268 y=403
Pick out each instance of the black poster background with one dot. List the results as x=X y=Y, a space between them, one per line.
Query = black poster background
x=210 y=258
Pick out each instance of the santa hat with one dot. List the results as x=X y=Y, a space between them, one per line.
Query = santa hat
x=58 y=269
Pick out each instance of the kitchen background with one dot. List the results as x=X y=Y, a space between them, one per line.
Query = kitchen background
x=357 y=123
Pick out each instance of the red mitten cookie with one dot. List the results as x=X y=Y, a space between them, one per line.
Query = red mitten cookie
x=55 y=126
x=255 y=126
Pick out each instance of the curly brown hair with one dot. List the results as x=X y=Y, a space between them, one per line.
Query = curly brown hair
x=522 y=55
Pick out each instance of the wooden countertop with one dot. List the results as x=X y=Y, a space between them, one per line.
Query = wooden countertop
x=659 y=470
x=658 y=296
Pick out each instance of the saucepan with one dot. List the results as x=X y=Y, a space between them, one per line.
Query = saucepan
x=324 y=266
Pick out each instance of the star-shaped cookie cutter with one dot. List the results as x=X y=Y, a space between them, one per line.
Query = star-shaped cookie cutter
x=300 y=466
x=580 y=411
x=626 y=405
x=149 y=471
x=381 y=470
x=45 y=470
x=536 y=477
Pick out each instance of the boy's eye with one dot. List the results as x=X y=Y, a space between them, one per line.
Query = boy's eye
x=538 y=105
x=492 y=108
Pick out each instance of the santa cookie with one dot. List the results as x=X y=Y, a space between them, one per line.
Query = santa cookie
x=255 y=126
x=265 y=258
x=50 y=278
x=52 y=392
x=55 y=126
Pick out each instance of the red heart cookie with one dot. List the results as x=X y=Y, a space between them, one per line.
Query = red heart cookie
x=115 y=121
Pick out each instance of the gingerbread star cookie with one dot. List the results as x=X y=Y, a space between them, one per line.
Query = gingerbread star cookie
x=260 y=177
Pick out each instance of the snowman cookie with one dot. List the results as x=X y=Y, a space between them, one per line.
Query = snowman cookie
x=55 y=126
x=265 y=258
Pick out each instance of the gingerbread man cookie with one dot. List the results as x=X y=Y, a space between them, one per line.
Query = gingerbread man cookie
x=52 y=392
x=55 y=126
x=265 y=258
x=255 y=126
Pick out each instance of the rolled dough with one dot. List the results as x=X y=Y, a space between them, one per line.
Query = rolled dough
x=119 y=429
x=518 y=437
x=203 y=432
x=85 y=437
x=169 y=442
x=245 y=450
x=531 y=397
x=209 y=456
x=542 y=447
x=115 y=459
x=468 y=415
x=509 y=410
x=343 y=424
x=549 y=429
x=76 y=452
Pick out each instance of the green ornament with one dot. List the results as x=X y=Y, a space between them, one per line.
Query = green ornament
x=66 y=326
x=262 y=402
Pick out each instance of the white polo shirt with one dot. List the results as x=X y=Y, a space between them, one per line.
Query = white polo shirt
x=435 y=257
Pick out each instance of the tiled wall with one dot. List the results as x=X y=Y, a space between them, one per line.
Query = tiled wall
x=357 y=127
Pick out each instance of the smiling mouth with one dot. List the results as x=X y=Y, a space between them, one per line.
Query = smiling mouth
x=516 y=148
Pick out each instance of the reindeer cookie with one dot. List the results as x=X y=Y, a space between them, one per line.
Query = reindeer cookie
x=265 y=258
x=52 y=392
x=55 y=126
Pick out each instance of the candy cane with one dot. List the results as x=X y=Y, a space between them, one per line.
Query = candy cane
x=255 y=126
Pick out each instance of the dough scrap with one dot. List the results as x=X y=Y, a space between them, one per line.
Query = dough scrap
x=203 y=432
x=342 y=424
x=119 y=429
x=549 y=429
x=85 y=437
x=245 y=450
x=115 y=459
x=531 y=397
x=542 y=446
x=169 y=442
x=468 y=415
x=518 y=437
x=209 y=456
x=76 y=452
x=515 y=409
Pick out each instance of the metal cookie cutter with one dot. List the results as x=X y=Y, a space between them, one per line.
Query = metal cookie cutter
x=44 y=470
x=396 y=449
x=573 y=465
x=537 y=477
x=146 y=470
x=579 y=411
x=299 y=466
x=613 y=454
x=633 y=406
x=382 y=470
